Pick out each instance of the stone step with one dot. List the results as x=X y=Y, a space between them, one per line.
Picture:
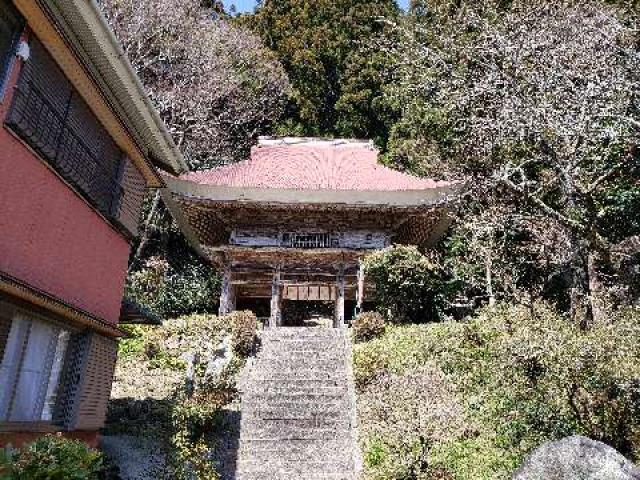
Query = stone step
x=288 y=446
x=303 y=344
x=262 y=412
x=305 y=358
x=298 y=332
x=302 y=356
x=277 y=388
x=297 y=410
x=288 y=371
x=300 y=406
x=305 y=471
x=266 y=413
x=303 y=425
x=312 y=432
x=293 y=459
x=258 y=394
x=302 y=465
x=306 y=381
x=255 y=404
x=284 y=475
x=306 y=374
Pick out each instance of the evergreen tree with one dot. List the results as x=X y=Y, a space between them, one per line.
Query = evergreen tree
x=328 y=49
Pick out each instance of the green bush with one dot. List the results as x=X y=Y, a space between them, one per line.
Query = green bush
x=409 y=285
x=193 y=420
x=244 y=330
x=52 y=457
x=522 y=376
x=171 y=291
x=368 y=325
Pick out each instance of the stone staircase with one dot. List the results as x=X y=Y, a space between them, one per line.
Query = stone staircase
x=298 y=418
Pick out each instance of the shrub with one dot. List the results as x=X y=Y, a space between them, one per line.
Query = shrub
x=193 y=421
x=244 y=330
x=563 y=380
x=406 y=415
x=409 y=285
x=174 y=290
x=52 y=457
x=523 y=375
x=368 y=325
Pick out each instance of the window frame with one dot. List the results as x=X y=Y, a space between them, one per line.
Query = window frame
x=7 y=60
x=9 y=311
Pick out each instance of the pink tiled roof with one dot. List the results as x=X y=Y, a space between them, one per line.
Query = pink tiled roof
x=312 y=167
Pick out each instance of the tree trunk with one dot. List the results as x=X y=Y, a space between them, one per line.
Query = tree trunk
x=598 y=263
x=581 y=312
x=588 y=291
x=488 y=265
x=144 y=236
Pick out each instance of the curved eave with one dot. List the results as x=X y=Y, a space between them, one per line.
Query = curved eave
x=196 y=192
x=86 y=32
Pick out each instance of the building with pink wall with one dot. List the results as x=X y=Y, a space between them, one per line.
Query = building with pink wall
x=79 y=145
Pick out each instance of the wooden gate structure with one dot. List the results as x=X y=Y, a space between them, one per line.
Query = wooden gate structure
x=295 y=220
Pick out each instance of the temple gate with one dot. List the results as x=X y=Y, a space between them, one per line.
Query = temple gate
x=293 y=223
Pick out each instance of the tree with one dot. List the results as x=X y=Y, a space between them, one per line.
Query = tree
x=215 y=85
x=325 y=47
x=410 y=286
x=536 y=99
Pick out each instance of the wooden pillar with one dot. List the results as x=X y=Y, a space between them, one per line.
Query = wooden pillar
x=338 y=320
x=360 y=299
x=226 y=293
x=232 y=298
x=276 y=315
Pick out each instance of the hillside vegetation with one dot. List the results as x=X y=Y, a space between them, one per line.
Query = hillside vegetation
x=169 y=408
x=532 y=105
x=467 y=400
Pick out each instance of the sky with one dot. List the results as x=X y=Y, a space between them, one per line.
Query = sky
x=247 y=5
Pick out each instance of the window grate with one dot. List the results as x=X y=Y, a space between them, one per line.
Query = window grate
x=308 y=240
x=34 y=118
x=52 y=118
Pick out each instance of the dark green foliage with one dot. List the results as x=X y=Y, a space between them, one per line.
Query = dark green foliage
x=170 y=291
x=244 y=329
x=619 y=209
x=409 y=285
x=328 y=51
x=52 y=457
x=170 y=278
x=367 y=326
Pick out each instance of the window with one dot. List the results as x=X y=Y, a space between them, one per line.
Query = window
x=307 y=240
x=32 y=362
x=10 y=28
x=54 y=120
